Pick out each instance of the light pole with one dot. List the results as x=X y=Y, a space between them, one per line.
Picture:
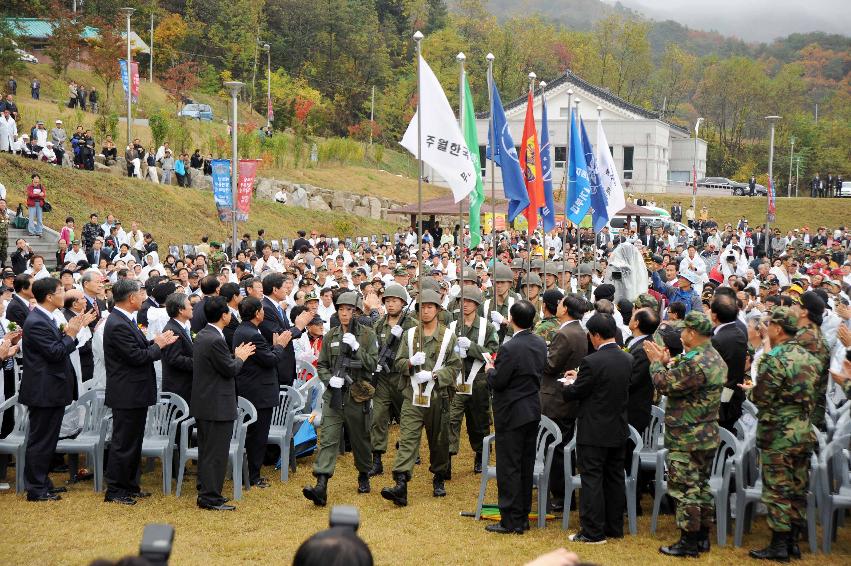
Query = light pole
x=234 y=87
x=791 y=158
x=129 y=12
x=268 y=50
x=151 y=55
x=694 y=168
x=772 y=189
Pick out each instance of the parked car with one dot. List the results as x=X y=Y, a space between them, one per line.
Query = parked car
x=197 y=111
x=759 y=190
x=845 y=189
x=736 y=188
x=26 y=57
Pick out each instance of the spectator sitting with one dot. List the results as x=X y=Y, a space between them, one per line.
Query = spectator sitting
x=48 y=155
x=281 y=197
x=208 y=165
x=26 y=148
x=196 y=161
x=109 y=151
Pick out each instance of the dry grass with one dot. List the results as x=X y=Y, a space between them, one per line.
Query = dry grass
x=269 y=525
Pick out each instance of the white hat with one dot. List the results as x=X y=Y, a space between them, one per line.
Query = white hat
x=58 y=121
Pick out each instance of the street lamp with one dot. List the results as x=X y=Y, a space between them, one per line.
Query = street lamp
x=694 y=167
x=791 y=158
x=772 y=120
x=128 y=12
x=268 y=49
x=234 y=88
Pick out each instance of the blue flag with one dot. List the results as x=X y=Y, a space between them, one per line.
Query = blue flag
x=548 y=212
x=222 y=192
x=506 y=157
x=578 y=187
x=599 y=214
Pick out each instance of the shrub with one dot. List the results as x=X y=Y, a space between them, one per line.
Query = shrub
x=106 y=123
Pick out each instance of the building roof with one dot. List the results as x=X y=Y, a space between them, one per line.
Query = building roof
x=446 y=206
x=35 y=28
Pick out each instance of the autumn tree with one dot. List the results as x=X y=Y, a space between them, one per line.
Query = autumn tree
x=65 y=43
x=169 y=37
x=103 y=55
x=179 y=81
x=10 y=64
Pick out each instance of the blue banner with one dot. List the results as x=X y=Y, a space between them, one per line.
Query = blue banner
x=599 y=206
x=222 y=190
x=505 y=156
x=578 y=187
x=125 y=75
x=548 y=212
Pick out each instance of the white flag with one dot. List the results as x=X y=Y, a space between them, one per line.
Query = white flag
x=608 y=174
x=443 y=145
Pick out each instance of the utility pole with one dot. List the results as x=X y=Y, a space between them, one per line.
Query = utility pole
x=151 y=57
x=129 y=12
x=694 y=167
x=791 y=157
x=268 y=49
x=372 y=116
x=234 y=87
x=772 y=188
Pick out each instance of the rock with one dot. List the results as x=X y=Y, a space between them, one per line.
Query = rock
x=299 y=198
x=99 y=158
x=362 y=211
x=374 y=208
x=100 y=167
x=265 y=189
x=318 y=203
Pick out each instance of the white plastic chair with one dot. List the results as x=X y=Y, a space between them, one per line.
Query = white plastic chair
x=549 y=436
x=719 y=480
x=652 y=439
x=281 y=431
x=15 y=443
x=630 y=481
x=572 y=481
x=660 y=481
x=835 y=492
x=246 y=415
x=161 y=430
x=92 y=437
x=748 y=486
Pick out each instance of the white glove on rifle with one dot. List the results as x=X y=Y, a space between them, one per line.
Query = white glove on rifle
x=464 y=343
x=422 y=377
x=417 y=359
x=349 y=338
x=396 y=331
x=336 y=382
x=497 y=318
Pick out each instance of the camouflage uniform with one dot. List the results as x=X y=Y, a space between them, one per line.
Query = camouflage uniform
x=693 y=383
x=784 y=396
x=217 y=259
x=811 y=339
x=547 y=328
x=646 y=300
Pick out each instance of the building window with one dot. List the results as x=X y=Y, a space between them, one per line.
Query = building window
x=628 y=152
x=560 y=156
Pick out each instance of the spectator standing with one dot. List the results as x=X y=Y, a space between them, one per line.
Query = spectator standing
x=35 y=89
x=152 y=165
x=180 y=171
x=91 y=231
x=72 y=95
x=93 y=100
x=12 y=86
x=8 y=130
x=36 y=196
x=168 y=167
x=81 y=96
x=67 y=232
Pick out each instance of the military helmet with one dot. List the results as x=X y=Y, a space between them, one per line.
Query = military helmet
x=472 y=293
x=646 y=300
x=698 y=322
x=349 y=298
x=585 y=269
x=538 y=264
x=785 y=317
x=518 y=263
x=532 y=279
x=430 y=296
x=430 y=283
x=395 y=290
x=503 y=273
x=470 y=274
x=553 y=268
x=400 y=271
x=312 y=296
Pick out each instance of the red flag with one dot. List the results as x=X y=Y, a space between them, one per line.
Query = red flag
x=531 y=163
x=134 y=74
x=245 y=186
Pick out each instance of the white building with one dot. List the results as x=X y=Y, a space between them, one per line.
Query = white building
x=649 y=152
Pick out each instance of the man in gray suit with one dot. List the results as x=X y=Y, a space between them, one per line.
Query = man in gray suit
x=214 y=400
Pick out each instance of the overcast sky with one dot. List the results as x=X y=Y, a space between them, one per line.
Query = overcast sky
x=752 y=20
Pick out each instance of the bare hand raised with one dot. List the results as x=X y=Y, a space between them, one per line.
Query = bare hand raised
x=244 y=350
x=165 y=339
x=283 y=338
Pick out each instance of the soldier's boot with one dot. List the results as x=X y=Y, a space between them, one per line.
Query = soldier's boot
x=477 y=463
x=703 y=544
x=448 y=475
x=438 y=489
x=377 y=467
x=685 y=547
x=794 y=549
x=776 y=550
x=319 y=492
x=398 y=494
x=363 y=482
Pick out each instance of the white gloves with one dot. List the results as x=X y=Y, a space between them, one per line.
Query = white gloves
x=497 y=318
x=336 y=382
x=306 y=357
x=417 y=359
x=464 y=343
x=396 y=331
x=462 y=353
x=349 y=338
x=422 y=377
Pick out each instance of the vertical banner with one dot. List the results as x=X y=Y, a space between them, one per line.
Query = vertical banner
x=222 y=193
x=134 y=74
x=772 y=202
x=270 y=112
x=245 y=187
x=122 y=64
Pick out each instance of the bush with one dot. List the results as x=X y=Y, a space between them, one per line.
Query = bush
x=340 y=150
x=106 y=123
x=160 y=127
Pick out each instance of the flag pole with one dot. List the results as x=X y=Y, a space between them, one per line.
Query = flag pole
x=544 y=232
x=530 y=229
x=492 y=140
x=461 y=58
x=566 y=190
x=418 y=37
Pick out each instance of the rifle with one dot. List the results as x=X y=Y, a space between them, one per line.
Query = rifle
x=387 y=354
x=341 y=368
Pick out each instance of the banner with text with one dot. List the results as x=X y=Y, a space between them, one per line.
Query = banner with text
x=130 y=78
x=245 y=187
x=222 y=193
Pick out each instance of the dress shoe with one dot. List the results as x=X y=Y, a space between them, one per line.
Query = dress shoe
x=398 y=494
x=262 y=483
x=499 y=529
x=44 y=497
x=477 y=464
x=526 y=525
x=123 y=500
x=221 y=507
x=777 y=550
x=363 y=483
x=556 y=505
x=582 y=537
x=438 y=489
x=318 y=493
x=140 y=494
x=377 y=467
x=685 y=547
x=84 y=474
x=54 y=490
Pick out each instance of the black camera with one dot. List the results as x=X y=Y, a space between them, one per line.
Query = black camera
x=344 y=516
x=157 y=541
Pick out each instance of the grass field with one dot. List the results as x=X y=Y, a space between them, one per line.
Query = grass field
x=269 y=525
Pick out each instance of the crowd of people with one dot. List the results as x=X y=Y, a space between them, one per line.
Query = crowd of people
x=588 y=330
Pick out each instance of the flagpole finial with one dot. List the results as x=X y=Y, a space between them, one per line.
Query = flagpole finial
x=570 y=91
x=418 y=35
x=543 y=84
x=490 y=57
x=461 y=57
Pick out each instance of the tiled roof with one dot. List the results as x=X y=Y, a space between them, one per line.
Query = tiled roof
x=35 y=28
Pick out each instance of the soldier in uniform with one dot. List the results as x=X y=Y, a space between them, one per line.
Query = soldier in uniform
x=505 y=298
x=428 y=365
x=809 y=314
x=550 y=323
x=476 y=343
x=217 y=258
x=454 y=306
x=692 y=383
x=518 y=269
x=359 y=345
x=551 y=277
x=585 y=288
x=531 y=291
x=785 y=384
x=388 y=397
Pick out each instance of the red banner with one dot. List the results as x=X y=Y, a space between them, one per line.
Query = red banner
x=270 y=112
x=245 y=187
x=134 y=81
x=530 y=156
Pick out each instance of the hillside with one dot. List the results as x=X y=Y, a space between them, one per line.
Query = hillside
x=172 y=214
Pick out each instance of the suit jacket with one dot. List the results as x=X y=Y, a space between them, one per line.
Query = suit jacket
x=257 y=381
x=19 y=261
x=732 y=344
x=648 y=241
x=516 y=381
x=90 y=257
x=640 y=387
x=274 y=323
x=142 y=315
x=602 y=388
x=130 y=379
x=17 y=310
x=48 y=376
x=567 y=348
x=230 y=330
x=214 y=370
x=177 y=362
x=199 y=319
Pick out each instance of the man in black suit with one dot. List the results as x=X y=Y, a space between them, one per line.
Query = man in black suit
x=177 y=360
x=301 y=242
x=209 y=288
x=603 y=238
x=21 y=256
x=602 y=388
x=214 y=401
x=230 y=291
x=515 y=380
x=729 y=340
x=275 y=322
x=151 y=301
x=96 y=253
x=566 y=350
x=92 y=283
x=131 y=387
x=648 y=240
x=257 y=381
x=18 y=308
x=47 y=385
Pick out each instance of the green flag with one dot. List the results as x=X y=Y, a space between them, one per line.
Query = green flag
x=477 y=197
